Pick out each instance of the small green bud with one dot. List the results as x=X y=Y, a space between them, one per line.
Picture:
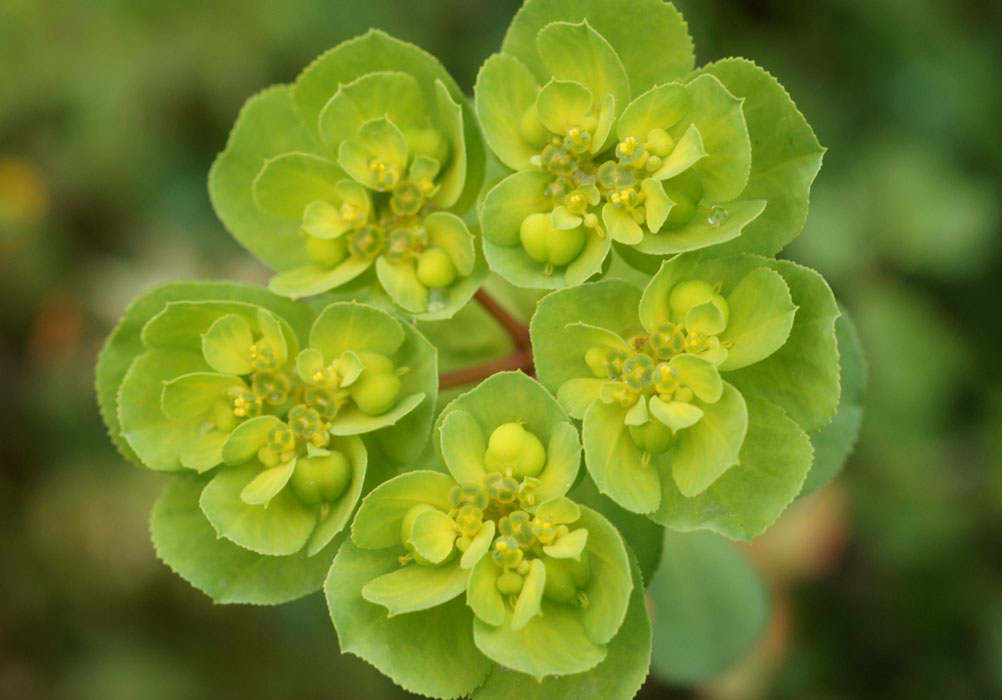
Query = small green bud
x=687 y=294
x=509 y=583
x=513 y=450
x=435 y=268
x=426 y=141
x=375 y=362
x=375 y=393
x=326 y=252
x=531 y=129
x=653 y=436
x=319 y=479
x=546 y=244
x=660 y=142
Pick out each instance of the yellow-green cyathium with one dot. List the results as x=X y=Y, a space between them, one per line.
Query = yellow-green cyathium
x=542 y=582
x=358 y=176
x=614 y=139
x=690 y=390
x=222 y=389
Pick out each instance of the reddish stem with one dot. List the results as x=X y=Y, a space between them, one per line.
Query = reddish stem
x=517 y=330
x=520 y=359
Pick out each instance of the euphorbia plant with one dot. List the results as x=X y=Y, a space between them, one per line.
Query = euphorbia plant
x=695 y=379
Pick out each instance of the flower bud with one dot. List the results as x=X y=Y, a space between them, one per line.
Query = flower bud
x=514 y=450
x=326 y=252
x=375 y=392
x=321 y=478
x=435 y=268
x=660 y=142
x=546 y=244
x=685 y=295
x=653 y=436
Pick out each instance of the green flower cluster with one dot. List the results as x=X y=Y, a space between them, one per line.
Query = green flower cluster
x=493 y=547
x=698 y=375
x=271 y=434
x=681 y=388
x=363 y=163
x=614 y=140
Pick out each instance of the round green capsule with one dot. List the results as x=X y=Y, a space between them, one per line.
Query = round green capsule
x=546 y=244
x=375 y=394
x=660 y=142
x=326 y=252
x=653 y=436
x=322 y=478
x=377 y=387
x=435 y=268
x=509 y=583
x=513 y=449
x=686 y=295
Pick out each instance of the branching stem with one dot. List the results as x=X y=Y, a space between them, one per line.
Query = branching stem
x=520 y=359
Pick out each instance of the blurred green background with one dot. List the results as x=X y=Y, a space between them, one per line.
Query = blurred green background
x=888 y=584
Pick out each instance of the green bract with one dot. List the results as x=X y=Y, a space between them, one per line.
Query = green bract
x=608 y=149
x=493 y=548
x=697 y=395
x=359 y=169
x=222 y=388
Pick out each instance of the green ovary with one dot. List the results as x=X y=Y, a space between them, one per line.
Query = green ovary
x=688 y=294
x=652 y=436
x=435 y=268
x=549 y=245
x=326 y=252
x=377 y=388
x=320 y=479
x=514 y=451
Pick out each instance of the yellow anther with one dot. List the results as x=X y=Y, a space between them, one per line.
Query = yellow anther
x=576 y=202
x=629 y=145
x=241 y=406
x=351 y=214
